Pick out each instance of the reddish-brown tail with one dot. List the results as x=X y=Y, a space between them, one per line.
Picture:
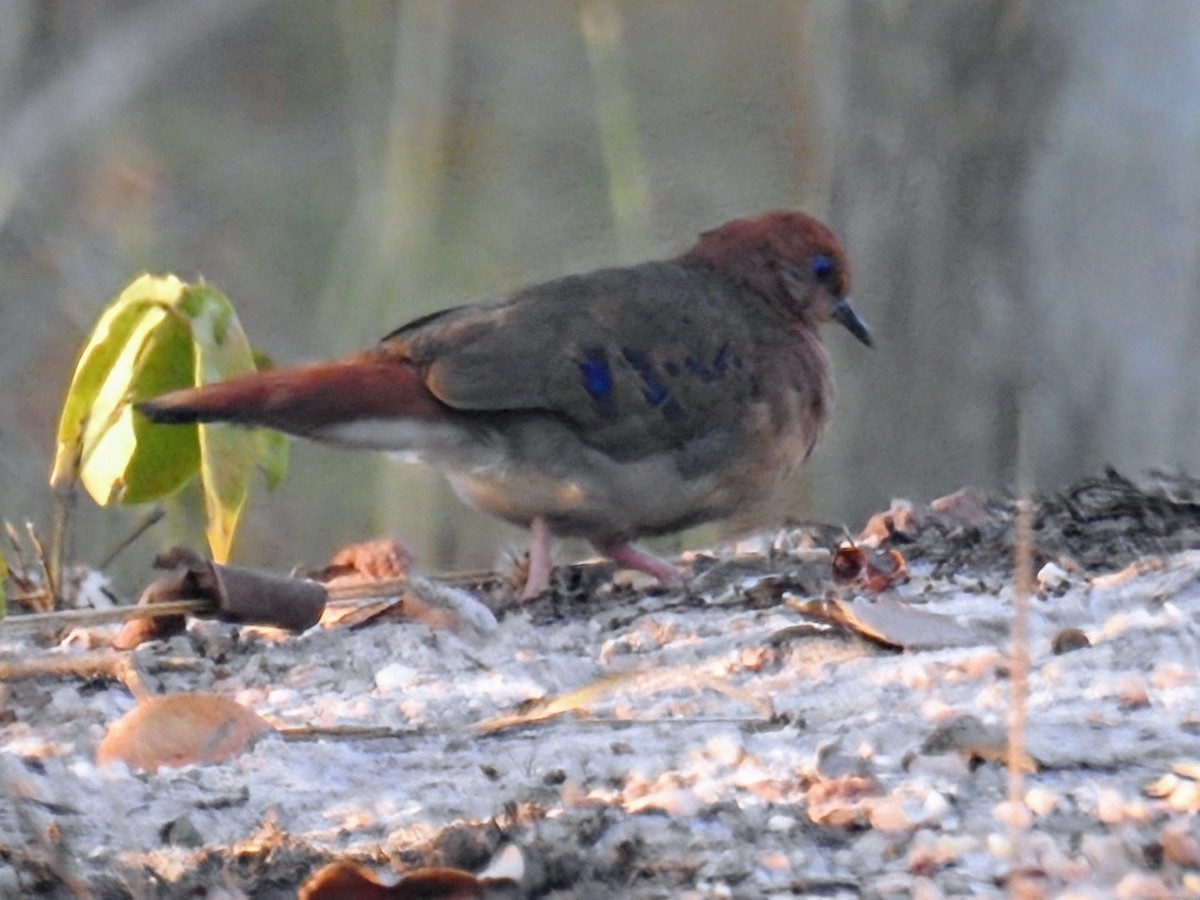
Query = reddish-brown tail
x=305 y=399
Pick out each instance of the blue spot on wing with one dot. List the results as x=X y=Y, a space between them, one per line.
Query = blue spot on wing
x=655 y=391
x=696 y=367
x=721 y=360
x=597 y=377
x=655 y=394
x=720 y=364
x=598 y=380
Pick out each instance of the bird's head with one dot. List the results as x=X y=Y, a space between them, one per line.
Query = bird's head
x=791 y=259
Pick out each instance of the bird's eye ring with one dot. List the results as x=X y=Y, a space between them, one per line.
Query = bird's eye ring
x=822 y=266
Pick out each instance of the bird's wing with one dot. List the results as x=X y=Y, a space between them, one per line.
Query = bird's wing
x=643 y=360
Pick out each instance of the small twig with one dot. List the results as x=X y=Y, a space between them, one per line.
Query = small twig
x=28 y=599
x=120 y=667
x=343 y=595
x=147 y=522
x=349 y=594
x=1017 y=759
x=64 y=504
x=84 y=618
x=51 y=571
x=474 y=578
x=18 y=570
x=641 y=681
x=344 y=732
x=14 y=541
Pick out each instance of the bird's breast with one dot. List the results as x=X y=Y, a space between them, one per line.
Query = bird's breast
x=583 y=492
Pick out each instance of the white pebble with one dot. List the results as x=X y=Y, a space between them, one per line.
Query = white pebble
x=394 y=676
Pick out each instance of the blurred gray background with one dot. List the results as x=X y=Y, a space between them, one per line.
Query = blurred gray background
x=1015 y=180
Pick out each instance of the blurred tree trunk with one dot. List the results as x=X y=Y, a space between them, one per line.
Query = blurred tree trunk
x=931 y=117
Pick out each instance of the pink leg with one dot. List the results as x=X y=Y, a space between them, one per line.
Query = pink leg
x=540 y=563
x=630 y=557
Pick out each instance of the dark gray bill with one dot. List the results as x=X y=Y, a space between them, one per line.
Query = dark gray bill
x=848 y=317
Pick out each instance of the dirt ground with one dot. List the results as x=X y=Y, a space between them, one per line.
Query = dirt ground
x=741 y=738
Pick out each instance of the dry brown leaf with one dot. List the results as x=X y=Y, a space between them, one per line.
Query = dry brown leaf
x=895 y=624
x=848 y=563
x=1069 y=640
x=408 y=608
x=236 y=594
x=345 y=880
x=342 y=880
x=885 y=570
x=139 y=631
x=181 y=730
x=875 y=570
x=965 y=507
x=900 y=518
x=374 y=560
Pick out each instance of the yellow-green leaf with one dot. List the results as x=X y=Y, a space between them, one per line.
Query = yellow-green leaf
x=107 y=343
x=108 y=438
x=226 y=459
x=273 y=456
x=228 y=456
x=160 y=335
x=222 y=351
x=163 y=459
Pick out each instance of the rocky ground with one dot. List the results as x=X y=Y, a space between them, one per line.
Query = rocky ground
x=797 y=723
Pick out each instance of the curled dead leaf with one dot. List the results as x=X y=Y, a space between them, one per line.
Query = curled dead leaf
x=966 y=507
x=238 y=594
x=848 y=563
x=374 y=560
x=342 y=880
x=900 y=625
x=875 y=570
x=138 y=631
x=885 y=570
x=1068 y=640
x=900 y=520
x=346 y=880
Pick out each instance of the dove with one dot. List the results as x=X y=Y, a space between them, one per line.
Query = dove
x=611 y=405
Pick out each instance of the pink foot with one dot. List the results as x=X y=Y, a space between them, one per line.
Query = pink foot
x=540 y=563
x=629 y=557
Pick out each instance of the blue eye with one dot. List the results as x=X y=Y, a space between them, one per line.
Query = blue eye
x=822 y=266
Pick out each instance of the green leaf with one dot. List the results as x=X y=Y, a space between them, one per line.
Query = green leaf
x=163 y=459
x=108 y=341
x=227 y=455
x=273 y=462
x=108 y=440
x=273 y=456
x=161 y=335
x=221 y=346
x=124 y=456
